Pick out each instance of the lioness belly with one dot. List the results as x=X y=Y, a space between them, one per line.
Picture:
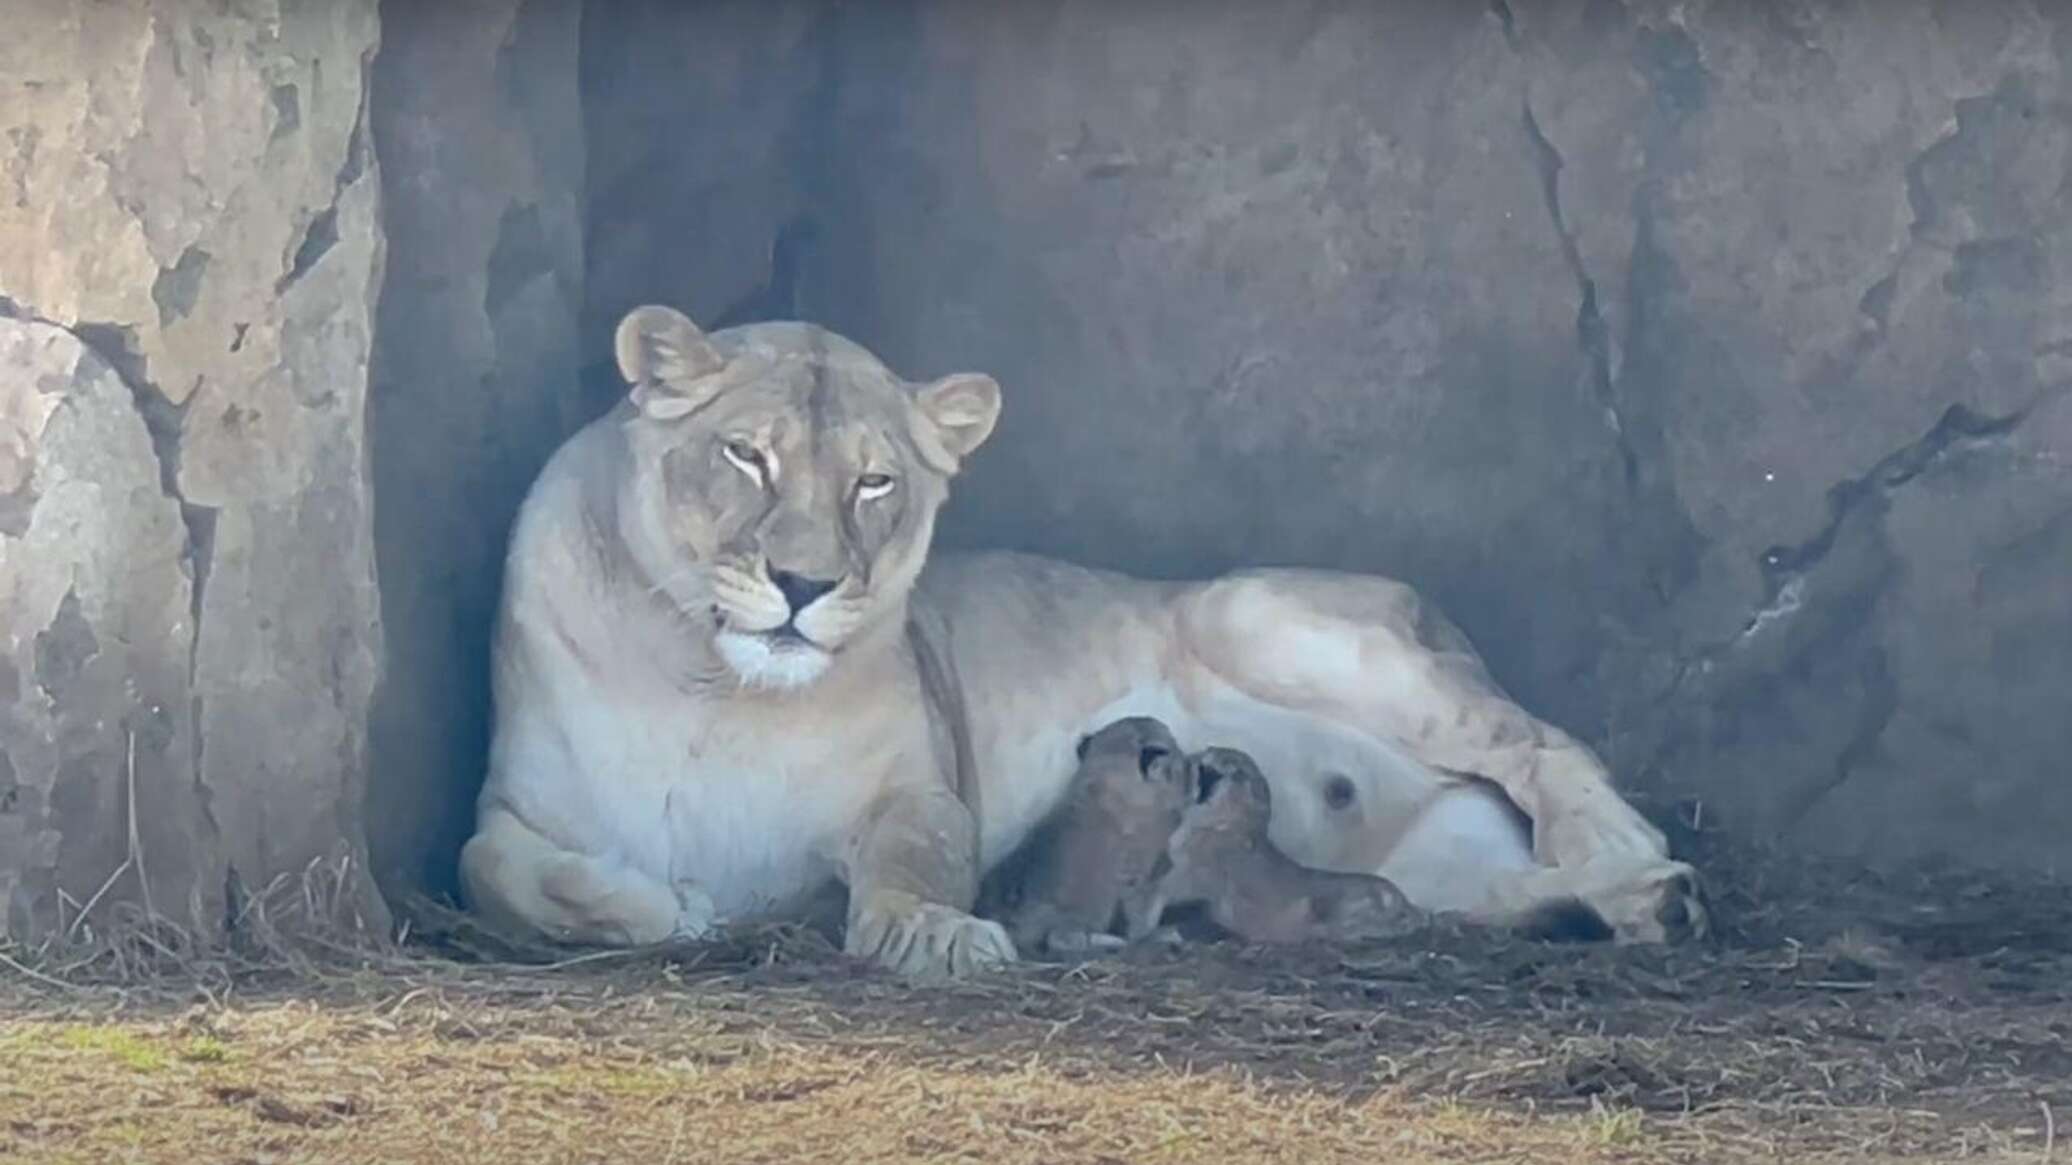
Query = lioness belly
x=1459 y=850
x=1037 y=678
x=1309 y=763
x=1343 y=801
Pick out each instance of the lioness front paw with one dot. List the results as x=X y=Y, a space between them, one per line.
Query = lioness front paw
x=1658 y=901
x=925 y=939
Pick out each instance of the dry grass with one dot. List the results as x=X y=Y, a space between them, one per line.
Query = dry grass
x=1836 y=1020
x=298 y=1082
x=670 y=1074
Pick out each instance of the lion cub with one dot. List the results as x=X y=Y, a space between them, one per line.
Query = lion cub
x=1221 y=858
x=1098 y=855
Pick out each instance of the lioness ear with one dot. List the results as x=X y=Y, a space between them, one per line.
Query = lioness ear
x=961 y=410
x=667 y=361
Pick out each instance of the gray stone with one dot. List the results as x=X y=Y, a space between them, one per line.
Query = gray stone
x=1824 y=242
x=721 y=114
x=191 y=227
x=95 y=688
x=1974 y=645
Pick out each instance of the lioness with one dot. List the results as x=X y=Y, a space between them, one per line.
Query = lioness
x=723 y=678
x=1096 y=857
x=1222 y=858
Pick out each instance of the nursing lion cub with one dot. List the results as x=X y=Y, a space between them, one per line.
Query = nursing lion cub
x=1093 y=865
x=728 y=672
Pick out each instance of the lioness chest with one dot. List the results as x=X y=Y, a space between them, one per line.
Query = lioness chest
x=737 y=799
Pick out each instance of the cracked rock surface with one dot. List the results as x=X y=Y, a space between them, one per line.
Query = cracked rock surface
x=1707 y=361
x=95 y=599
x=188 y=254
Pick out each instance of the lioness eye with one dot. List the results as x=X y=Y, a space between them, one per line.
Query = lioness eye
x=745 y=457
x=873 y=485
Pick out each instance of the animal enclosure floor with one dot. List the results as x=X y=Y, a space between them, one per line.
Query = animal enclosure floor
x=1836 y=1018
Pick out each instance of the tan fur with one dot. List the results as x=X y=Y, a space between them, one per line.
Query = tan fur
x=709 y=707
x=1222 y=859
x=1098 y=854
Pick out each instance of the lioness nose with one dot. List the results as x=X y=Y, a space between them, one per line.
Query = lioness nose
x=798 y=590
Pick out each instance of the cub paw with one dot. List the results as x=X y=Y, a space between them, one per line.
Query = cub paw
x=925 y=940
x=695 y=913
x=1081 y=942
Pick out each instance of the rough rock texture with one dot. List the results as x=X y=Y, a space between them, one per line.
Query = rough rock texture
x=95 y=595
x=1834 y=254
x=1708 y=361
x=188 y=247
x=721 y=117
x=476 y=118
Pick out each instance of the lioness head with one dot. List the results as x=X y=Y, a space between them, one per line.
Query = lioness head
x=785 y=483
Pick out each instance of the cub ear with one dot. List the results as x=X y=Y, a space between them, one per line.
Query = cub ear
x=958 y=414
x=667 y=361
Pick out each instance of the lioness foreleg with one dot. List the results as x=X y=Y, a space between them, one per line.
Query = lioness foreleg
x=912 y=869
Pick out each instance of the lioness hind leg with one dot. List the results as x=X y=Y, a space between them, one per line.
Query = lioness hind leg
x=1369 y=654
x=514 y=877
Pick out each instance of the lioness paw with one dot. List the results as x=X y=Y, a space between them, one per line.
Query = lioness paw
x=1649 y=902
x=926 y=940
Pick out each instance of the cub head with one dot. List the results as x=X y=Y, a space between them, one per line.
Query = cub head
x=1135 y=760
x=785 y=483
x=1230 y=793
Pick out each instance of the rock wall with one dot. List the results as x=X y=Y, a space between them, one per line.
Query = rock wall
x=720 y=116
x=1708 y=361
x=477 y=121
x=188 y=618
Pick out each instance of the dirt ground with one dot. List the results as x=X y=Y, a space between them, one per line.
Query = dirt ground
x=1836 y=1017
